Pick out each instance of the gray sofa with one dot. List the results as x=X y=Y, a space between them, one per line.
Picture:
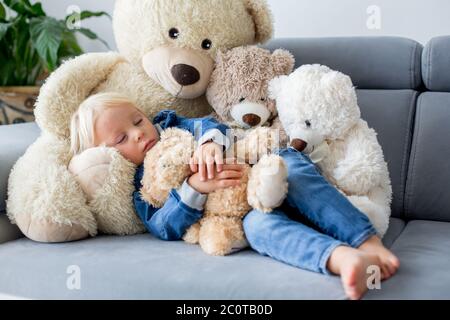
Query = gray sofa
x=404 y=93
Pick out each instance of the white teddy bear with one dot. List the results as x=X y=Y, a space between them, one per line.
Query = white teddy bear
x=319 y=111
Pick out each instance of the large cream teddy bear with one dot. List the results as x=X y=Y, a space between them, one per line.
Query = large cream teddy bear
x=319 y=110
x=167 y=50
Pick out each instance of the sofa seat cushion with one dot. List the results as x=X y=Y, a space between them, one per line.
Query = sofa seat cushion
x=423 y=249
x=141 y=267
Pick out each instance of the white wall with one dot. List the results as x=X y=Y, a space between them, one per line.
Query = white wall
x=417 y=19
x=420 y=20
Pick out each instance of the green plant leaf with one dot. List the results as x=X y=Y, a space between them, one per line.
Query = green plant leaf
x=24 y=7
x=4 y=29
x=21 y=47
x=91 y=35
x=21 y=36
x=77 y=17
x=69 y=46
x=90 y=14
x=6 y=73
x=46 y=35
x=36 y=69
x=32 y=43
x=37 y=9
x=2 y=12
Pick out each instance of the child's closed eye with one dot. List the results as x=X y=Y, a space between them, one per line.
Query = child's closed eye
x=121 y=139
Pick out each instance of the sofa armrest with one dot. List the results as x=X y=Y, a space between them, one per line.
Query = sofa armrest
x=14 y=141
x=8 y=231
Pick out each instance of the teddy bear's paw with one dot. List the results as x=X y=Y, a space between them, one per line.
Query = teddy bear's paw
x=268 y=186
x=192 y=234
x=92 y=169
x=44 y=199
x=221 y=236
x=44 y=230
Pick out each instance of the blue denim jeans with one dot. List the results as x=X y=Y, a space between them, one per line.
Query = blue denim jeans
x=313 y=221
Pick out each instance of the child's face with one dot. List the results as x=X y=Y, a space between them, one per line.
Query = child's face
x=125 y=128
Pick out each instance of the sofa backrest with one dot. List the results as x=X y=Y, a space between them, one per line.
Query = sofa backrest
x=427 y=194
x=404 y=94
x=388 y=75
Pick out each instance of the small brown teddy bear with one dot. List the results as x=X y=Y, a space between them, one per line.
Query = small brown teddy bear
x=220 y=231
x=238 y=91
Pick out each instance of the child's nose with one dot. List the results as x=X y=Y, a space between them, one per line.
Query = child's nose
x=139 y=135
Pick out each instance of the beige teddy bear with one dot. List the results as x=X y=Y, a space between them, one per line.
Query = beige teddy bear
x=167 y=51
x=238 y=93
x=220 y=231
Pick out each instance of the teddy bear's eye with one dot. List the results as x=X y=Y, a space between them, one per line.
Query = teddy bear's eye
x=206 y=44
x=263 y=99
x=241 y=99
x=308 y=123
x=174 y=33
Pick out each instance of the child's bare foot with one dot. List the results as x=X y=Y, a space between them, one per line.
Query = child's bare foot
x=389 y=262
x=352 y=265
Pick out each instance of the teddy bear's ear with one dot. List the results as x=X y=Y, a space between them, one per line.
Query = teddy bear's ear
x=275 y=86
x=283 y=62
x=220 y=57
x=262 y=17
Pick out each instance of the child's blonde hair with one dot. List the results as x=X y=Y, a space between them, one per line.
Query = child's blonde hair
x=83 y=121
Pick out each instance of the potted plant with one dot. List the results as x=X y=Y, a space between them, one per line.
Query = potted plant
x=32 y=45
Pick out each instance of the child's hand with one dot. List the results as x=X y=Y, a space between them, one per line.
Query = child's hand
x=205 y=159
x=230 y=176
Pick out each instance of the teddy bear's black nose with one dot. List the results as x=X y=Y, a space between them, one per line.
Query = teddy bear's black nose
x=185 y=75
x=251 y=119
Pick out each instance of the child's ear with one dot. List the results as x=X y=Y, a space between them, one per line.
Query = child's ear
x=283 y=62
x=275 y=87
